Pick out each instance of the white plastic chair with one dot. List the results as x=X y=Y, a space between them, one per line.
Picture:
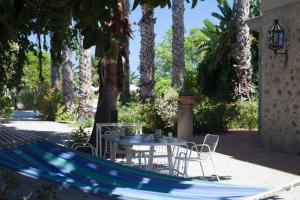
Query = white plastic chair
x=199 y=153
x=111 y=149
x=76 y=146
x=108 y=145
x=64 y=140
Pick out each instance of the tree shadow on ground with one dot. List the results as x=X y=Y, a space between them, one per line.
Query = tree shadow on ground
x=247 y=146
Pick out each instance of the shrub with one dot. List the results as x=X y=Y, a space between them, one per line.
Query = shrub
x=28 y=98
x=11 y=184
x=48 y=102
x=89 y=122
x=145 y=114
x=6 y=105
x=78 y=136
x=220 y=116
x=167 y=107
x=47 y=192
x=63 y=114
x=247 y=116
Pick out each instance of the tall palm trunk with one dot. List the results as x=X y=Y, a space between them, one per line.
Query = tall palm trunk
x=85 y=83
x=125 y=94
x=67 y=82
x=178 y=64
x=55 y=71
x=243 y=52
x=147 y=53
x=111 y=74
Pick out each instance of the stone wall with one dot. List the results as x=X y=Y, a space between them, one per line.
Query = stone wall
x=280 y=82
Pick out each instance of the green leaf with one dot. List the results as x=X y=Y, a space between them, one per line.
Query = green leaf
x=135 y=4
x=194 y=3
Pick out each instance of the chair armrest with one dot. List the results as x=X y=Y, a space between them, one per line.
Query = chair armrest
x=203 y=145
x=84 y=145
x=191 y=143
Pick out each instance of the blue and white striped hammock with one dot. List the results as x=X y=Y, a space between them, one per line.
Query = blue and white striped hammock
x=106 y=179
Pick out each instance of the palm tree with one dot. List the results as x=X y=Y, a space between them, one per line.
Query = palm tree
x=125 y=94
x=243 y=52
x=55 y=54
x=178 y=64
x=110 y=70
x=85 y=82
x=67 y=75
x=216 y=75
x=147 y=53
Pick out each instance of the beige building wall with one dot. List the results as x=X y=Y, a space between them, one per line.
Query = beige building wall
x=280 y=82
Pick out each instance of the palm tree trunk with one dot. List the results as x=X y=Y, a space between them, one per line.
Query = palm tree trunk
x=111 y=75
x=85 y=83
x=125 y=94
x=147 y=53
x=110 y=88
x=178 y=64
x=243 y=52
x=67 y=82
x=55 y=71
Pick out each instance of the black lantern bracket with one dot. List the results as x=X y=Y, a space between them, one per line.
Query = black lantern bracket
x=276 y=39
x=283 y=53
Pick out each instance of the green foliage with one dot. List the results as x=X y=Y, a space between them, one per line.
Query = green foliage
x=255 y=8
x=167 y=107
x=28 y=98
x=12 y=182
x=247 y=116
x=48 y=102
x=78 y=136
x=216 y=74
x=220 y=116
x=162 y=84
x=6 y=105
x=89 y=122
x=63 y=114
x=47 y=192
x=161 y=114
x=145 y=114
x=12 y=60
x=30 y=79
x=190 y=87
x=163 y=55
x=163 y=61
x=98 y=21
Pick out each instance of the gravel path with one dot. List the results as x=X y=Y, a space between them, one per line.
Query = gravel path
x=240 y=159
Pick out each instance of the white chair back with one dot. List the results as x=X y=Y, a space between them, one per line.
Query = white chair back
x=212 y=141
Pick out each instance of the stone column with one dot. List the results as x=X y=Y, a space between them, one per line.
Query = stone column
x=185 y=117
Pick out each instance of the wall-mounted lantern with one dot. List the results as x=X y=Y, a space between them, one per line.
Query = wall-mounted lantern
x=276 y=39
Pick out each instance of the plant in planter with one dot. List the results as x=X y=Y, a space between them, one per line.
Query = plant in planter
x=189 y=86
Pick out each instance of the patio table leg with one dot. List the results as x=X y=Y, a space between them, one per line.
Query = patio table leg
x=128 y=155
x=170 y=162
x=113 y=150
x=150 y=162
